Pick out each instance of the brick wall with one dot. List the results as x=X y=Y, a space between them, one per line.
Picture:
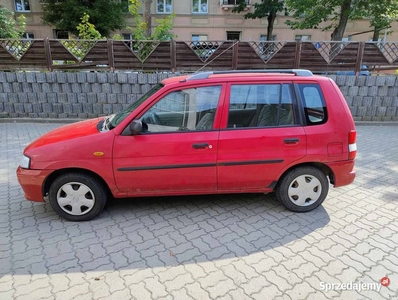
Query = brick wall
x=88 y=95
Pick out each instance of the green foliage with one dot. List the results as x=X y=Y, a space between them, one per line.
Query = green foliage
x=310 y=13
x=145 y=44
x=117 y=37
x=9 y=28
x=261 y=9
x=105 y=15
x=88 y=33
x=162 y=31
x=381 y=14
x=87 y=30
x=264 y=9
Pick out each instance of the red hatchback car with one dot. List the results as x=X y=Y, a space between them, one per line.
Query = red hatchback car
x=286 y=131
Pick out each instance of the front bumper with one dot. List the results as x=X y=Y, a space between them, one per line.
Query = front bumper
x=343 y=171
x=32 y=182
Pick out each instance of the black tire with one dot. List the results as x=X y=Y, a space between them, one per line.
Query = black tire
x=302 y=189
x=68 y=201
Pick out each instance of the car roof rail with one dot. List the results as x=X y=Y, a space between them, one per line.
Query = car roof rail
x=297 y=72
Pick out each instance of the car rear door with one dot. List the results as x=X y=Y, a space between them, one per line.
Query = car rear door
x=253 y=152
x=172 y=157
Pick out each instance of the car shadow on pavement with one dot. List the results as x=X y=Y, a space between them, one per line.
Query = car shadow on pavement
x=191 y=229
x=139 y=233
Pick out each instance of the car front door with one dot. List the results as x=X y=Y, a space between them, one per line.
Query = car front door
x=177 y=151
x=262 y=136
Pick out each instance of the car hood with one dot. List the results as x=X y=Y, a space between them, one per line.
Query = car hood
x=65 y=133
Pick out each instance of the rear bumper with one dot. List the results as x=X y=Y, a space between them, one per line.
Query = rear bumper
x=31 y=182
x=343 y=171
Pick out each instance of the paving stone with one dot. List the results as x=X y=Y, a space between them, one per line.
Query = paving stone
x=194 y=248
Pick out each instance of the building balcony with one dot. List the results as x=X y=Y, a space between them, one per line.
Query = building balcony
x=227 y=4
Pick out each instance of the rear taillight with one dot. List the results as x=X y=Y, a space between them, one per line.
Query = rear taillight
x=352 y=145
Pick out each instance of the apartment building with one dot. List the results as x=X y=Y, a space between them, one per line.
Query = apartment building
x=203 y=20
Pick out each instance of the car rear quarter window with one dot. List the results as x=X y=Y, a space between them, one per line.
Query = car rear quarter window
x=313 y=103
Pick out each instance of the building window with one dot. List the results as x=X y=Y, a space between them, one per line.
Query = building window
x=233 y=2
x=28 y=36
x=199 y=37
x=263 y=38
x=164 y=6
x=22 y=5
x=233 y=35
x=199 y=6
x=302 y=38
x=128 y=36
x=61 y=34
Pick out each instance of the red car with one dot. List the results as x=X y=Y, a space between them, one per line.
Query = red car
x=286 y=131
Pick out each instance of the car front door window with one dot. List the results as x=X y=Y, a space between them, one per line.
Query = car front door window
x=190 y=109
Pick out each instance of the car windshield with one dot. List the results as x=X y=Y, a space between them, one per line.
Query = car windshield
x=120 y=116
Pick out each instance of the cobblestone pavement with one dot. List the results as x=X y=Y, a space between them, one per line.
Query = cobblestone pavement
x=205 y=247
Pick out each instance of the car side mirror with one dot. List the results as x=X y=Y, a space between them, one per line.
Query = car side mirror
x=135 y=127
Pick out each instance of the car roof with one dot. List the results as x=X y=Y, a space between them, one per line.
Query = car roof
x=255 y=75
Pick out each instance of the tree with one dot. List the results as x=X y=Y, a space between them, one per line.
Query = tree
x=147 y=16
x=162 y=32
x=266 y=8
x=310 y=13
x=105 y=15
x=9 y=27
x=381 y=14
x=87 y=30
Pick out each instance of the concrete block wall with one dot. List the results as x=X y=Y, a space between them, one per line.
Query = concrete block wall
x=370 y=98
x=70 y=94
x=88 y=94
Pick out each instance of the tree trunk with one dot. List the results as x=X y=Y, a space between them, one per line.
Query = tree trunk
x=271 y=19
x=148 y=17
x=338 y=32
x=376 y=34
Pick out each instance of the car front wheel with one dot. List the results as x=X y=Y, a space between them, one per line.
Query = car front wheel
x=303 y=189
x=77 y=197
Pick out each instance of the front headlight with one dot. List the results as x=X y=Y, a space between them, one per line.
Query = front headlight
x=25 y=162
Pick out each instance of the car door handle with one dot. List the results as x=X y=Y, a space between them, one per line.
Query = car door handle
x=291 y=141
x=200 y=146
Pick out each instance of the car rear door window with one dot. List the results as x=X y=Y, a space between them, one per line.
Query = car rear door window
x=313 y=102
x=261 y=105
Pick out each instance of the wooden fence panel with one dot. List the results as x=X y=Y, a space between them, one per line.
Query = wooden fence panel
x=191 y=56
x=212 y=55
x=28 y=54
x=311 y=58
x=373 y=56
x=284 y=58
x=98 y=53
x=59 y=53
x=126 y=58
x=248 y=58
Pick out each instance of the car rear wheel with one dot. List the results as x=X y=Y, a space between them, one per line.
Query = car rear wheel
x=303 y=189
x=77 y=197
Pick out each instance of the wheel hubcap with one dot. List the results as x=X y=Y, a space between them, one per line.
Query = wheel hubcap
x=304 y=190
x=75 y=198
